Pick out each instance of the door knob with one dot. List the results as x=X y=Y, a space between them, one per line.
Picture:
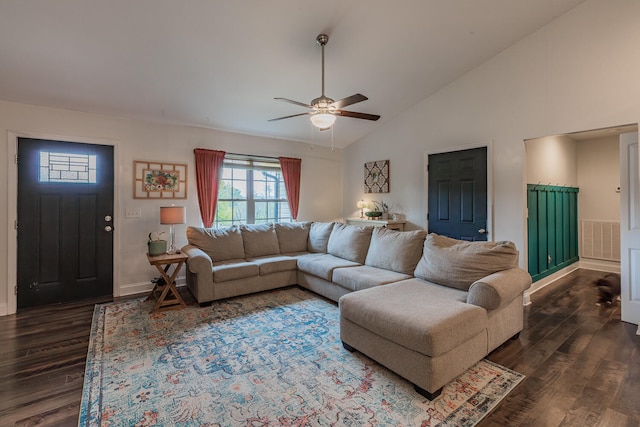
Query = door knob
x=483 y=231
x=108 y=218
x=108 y=229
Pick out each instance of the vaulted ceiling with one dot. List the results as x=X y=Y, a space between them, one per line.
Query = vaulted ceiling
x=220 y=63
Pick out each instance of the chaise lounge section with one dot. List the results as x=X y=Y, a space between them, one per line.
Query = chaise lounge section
x=465 y=301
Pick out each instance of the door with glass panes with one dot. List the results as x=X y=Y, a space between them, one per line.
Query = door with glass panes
x=65 y=221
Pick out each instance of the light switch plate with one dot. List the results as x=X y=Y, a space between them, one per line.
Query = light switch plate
x=133 y=213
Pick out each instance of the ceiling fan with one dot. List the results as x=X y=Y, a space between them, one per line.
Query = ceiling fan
x=324 y=110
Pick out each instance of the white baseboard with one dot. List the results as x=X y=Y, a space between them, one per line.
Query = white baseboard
x=135 y=288
x=4 y=310
x=587 y=264
x=144 y=287
x=548 y=280
x=600 y=265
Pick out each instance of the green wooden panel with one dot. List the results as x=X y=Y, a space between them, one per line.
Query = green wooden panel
x=532 y=230
x=542 y=231
x=552 y=228
x=552 y=260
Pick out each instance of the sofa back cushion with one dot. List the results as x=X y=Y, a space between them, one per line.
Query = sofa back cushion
x=350 y=242
x=395 y=250
x=220 y=244
x=259 y=240
x=319 y=233
x=457 y=263
x=293 y=236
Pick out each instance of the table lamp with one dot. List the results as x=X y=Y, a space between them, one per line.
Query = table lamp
x=172 y=215
x=360 y=205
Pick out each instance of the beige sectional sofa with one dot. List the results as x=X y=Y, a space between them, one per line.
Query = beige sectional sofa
x=426 y=306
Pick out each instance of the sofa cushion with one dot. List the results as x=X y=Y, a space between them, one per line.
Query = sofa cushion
x=220 y=244
x=274 y=264
x=458 y=263
x=293 y=236
x=350 y=242
x=259 y=240
x=423 y=317
x=395 y=250
x=363 y=277
x=234 y=269
x=319 y=233
x=322 y=265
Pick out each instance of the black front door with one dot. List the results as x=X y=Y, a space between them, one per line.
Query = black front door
x=458 y=194
x=65 y=224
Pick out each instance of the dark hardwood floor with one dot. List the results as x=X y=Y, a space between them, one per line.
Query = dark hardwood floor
x=582 y=363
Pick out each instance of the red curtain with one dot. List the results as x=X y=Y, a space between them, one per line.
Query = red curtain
x=208 y=171
x=291 y=173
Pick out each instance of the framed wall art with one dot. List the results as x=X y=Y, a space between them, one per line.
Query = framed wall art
x=159 y=180
x=376 y=177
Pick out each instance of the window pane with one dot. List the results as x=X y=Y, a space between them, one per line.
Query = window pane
x=224 y=211
x=261 y=211
x=239 y=212
x=224 y=190
x=227 y=173
x=259 y=189
x=69 y=168
x=239 y=190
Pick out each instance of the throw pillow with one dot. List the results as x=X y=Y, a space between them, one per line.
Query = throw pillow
x=458 y=263
x=350 y=242
x=259 y=240
x=319 y=236
x=220 y=244
x=293 y=236
x=395 y=250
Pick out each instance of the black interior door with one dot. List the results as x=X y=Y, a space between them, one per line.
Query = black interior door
x=65 y=224
x=457 y=194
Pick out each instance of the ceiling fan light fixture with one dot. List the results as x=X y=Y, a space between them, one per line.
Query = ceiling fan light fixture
x=323 y=120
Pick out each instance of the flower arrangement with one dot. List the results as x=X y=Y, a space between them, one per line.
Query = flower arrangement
x=376 y=206
x=377 y=209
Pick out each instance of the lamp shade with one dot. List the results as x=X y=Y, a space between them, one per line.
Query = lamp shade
x=172 y=215
x=323 y=120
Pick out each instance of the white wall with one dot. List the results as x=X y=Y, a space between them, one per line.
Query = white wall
x=577 y=73
x=598 y=179
x=137 y=140
x=552 y=160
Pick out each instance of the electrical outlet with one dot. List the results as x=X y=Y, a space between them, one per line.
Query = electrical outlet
x=133 y=213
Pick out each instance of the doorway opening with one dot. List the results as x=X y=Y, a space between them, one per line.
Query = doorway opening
x=573 y=203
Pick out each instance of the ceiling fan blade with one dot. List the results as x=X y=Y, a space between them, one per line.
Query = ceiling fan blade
x=356 y=115
x=353 y=99
x=302 y=104
x=287 y=117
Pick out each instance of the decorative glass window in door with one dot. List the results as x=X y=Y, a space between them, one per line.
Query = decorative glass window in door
x=67 y=167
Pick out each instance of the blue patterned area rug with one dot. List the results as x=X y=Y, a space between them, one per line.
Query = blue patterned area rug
x=268 y=359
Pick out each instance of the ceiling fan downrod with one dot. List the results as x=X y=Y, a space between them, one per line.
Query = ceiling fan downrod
x=322 y=40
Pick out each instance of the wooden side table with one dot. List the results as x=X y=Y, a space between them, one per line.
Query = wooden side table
x=175 y=301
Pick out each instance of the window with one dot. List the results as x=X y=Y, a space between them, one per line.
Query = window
x=66 y=167
x=251 y=191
